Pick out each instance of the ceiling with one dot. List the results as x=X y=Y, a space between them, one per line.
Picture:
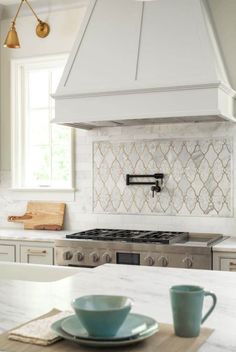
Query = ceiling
x=10 y=2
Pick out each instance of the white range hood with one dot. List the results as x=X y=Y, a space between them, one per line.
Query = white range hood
x=140 y=62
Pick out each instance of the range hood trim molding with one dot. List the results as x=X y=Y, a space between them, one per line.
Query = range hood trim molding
x=173 y=106
x=134 y=90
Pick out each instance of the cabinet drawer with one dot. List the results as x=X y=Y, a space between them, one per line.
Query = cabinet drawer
x=228 y=264
x=7 y=253
x=36 y=255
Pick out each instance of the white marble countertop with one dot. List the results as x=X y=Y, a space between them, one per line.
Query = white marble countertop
x=228 y=245
x=148 y=286
x=31 y=235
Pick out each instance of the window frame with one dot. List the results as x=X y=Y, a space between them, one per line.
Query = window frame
x=18 y=84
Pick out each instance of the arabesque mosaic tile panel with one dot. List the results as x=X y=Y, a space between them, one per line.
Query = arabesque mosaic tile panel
x=198 y=177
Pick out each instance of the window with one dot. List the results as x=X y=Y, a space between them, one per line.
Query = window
x=42 y=151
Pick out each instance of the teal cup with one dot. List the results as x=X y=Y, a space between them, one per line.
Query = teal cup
x=102 y=315
x=187 y=304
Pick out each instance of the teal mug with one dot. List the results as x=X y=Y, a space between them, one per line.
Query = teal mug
x=187 y=304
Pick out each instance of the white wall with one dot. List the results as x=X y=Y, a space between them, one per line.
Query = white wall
x=79 y=213
x=64 y=27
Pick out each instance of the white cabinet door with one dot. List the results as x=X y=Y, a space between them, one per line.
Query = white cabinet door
x=36 y=255
x=225 y=261
x=7 y=253
x=228 y=264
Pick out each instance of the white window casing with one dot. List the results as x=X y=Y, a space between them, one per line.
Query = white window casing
x=21 y=136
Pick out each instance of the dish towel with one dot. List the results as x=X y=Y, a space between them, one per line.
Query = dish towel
x=38 y=332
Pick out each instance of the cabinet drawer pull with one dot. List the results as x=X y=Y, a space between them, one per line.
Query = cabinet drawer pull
x=36 y=252
x=232 y=264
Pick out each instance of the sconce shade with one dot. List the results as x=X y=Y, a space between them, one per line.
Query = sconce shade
x=12 y=40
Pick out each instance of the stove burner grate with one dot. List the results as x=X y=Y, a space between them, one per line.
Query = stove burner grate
x=136 y=236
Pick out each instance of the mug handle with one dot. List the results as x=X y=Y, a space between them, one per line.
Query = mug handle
x=212 y=307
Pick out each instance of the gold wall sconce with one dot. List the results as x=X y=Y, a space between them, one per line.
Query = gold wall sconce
x=12 y=40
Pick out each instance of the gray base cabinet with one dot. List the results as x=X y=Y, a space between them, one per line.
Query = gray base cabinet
x=225 y=261
x=7 y=253
x=27 y=252
x=36 y=255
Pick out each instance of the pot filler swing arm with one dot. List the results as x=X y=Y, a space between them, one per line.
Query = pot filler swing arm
x=156 y=186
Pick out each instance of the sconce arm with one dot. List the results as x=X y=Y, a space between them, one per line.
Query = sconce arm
x=17 y=13
x=26 y=1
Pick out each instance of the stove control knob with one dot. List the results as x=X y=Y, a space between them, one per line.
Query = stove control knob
x=80 y=256
x=107 y=258
x=95 y=257
x=163 y=261
x=188 y=262
x=67 y=255
x=149 y=261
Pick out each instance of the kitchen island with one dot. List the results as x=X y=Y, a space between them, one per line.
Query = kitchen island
x=21 y=301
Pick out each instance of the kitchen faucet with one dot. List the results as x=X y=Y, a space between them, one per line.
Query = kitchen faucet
x=156 y=188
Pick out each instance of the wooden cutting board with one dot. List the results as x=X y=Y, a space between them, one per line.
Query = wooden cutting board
x=42 y=216
x=163 y=341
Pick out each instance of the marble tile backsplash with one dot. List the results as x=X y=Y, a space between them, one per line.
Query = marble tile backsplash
x=198 y=176
x=85 y=211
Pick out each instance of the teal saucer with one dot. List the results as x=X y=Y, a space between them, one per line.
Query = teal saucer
x=57 y=327
x=133 y=325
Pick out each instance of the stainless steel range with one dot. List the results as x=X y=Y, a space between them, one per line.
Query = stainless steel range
x=153 y=248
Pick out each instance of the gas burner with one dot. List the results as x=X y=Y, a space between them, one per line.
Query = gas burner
x=135 y=236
